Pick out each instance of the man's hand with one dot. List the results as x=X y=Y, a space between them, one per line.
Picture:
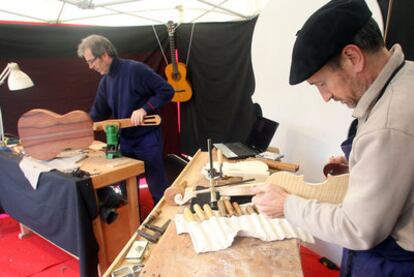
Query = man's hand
x=137 y=117
x=338 y=160
x=336 y=166
x=269 y=200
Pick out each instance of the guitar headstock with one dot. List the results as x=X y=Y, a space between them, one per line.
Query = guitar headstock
x=171 y=26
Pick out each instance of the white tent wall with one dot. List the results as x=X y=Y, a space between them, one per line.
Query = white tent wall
x=128 y=12
x=310 y=130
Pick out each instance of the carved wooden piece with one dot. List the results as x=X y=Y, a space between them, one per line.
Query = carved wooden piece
x=149 y=120
x=332 y=190
x=45 y=134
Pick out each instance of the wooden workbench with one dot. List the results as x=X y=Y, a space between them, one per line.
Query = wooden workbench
x=104 y=172
x=110 y=237
x=174 y=255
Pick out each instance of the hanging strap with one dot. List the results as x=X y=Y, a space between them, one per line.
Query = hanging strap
x=189 y=45
x=159 y=44
x=389 y=80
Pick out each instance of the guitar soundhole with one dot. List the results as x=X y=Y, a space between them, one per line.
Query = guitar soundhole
x=176 y=76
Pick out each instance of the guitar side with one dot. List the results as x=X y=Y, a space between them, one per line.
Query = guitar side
x=182 y=89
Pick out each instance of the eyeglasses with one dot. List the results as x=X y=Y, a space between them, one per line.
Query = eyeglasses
x=91 y=61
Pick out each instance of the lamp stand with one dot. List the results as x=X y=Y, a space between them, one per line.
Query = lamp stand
x=2 y=140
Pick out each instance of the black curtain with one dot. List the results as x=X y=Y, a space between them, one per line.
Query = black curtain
x=221 y=74
x=401 y=24
x=63 y=82
x=219 y=70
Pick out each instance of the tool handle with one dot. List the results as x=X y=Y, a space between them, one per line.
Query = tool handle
x=149 y=120
x=279 y=165
x=229 y=207
x=207 y=210
x=222 y=208
x=250 y=210
x=199 y=212
x=237 y=208
x=188 y=215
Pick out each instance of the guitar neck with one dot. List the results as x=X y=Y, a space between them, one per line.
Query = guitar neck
x=172 y=48
x=173 y=55
x=149 y=120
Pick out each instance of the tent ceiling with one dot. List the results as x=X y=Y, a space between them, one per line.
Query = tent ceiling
x=128 y=12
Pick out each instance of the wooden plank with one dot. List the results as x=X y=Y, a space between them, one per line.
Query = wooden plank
x=112 y=237
x=45 y=134
x=149 y=120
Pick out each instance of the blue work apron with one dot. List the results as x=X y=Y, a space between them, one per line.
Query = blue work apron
x=385 y=259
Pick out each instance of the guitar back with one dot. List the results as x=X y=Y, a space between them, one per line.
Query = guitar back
x=182 y=88
x=45 y=134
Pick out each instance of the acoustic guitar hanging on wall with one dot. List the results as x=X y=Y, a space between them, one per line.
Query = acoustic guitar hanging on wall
x=176 y=72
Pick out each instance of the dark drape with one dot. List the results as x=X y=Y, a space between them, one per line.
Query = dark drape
x=401 y=25
x=64 y=219
x=221 y=74
x=63 y=82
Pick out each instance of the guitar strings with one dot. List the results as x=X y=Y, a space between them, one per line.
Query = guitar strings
x=187 y=60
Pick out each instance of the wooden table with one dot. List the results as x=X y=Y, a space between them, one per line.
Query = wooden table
x=174 y=255
x=104 y=172
x=112 y=237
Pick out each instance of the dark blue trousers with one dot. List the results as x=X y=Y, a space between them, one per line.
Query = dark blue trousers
x=149 y=148
x=387 y=259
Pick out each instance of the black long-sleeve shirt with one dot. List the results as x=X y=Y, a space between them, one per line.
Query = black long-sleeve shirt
x=128 y=86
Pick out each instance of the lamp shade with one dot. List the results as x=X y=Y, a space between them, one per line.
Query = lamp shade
x=17 y=78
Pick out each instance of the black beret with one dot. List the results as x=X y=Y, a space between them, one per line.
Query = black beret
x=324 y=35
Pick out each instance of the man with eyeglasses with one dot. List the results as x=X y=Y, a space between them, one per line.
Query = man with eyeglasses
x=130 y=89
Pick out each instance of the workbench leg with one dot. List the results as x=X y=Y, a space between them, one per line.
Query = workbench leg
x=97 y=229
x=24 y=231
x=133 y=204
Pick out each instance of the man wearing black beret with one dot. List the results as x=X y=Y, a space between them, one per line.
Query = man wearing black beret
x=340 y=50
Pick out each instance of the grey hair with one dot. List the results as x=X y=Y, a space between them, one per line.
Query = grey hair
x=98 y=45
x=369 y=39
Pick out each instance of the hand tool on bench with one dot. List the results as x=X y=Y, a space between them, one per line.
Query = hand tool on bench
x=150 y=237
x=212 y=174
x=158 y=230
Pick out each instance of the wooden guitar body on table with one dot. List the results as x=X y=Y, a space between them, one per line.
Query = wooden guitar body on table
x=45 y=134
